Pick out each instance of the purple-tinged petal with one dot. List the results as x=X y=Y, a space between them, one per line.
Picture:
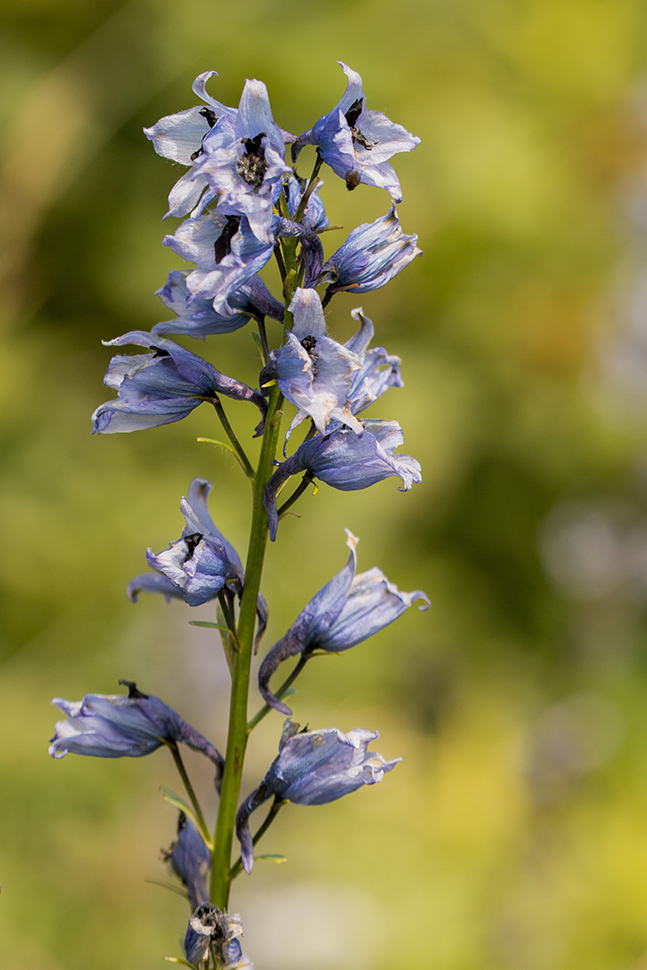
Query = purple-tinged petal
x=347 y=610
x=313 y=768
x=190 y=860
x=371 y=256
x=346 y=461
x=114 y=726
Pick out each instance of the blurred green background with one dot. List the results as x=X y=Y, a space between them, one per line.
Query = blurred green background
x=514 y=833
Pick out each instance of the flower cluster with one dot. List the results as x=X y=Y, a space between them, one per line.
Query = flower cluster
x=241 y=204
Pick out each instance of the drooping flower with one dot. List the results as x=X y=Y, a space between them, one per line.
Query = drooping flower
x=346 y=461
x=313 y=768
x=371 y=256
x=210 y=927
x=356 y=142
x=349 y=609
x=242 y=161
x=197 y=318
x=314 y=372
x=200 y=564
x=162 y=386
x=114 y=726
x=190 y=860
x=227 y=255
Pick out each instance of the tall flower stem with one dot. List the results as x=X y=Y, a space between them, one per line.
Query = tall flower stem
x=238 y=730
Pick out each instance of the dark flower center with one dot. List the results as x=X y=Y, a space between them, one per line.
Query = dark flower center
x=309 y=343
x=192 y=542
x=253 y=165
x=352 y=116
x=210 y=116
x=160 y=352
x=222 y=245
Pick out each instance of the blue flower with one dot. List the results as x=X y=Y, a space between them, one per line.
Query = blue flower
x=114 y=726
x=356 y=142
x=227 y=255
x=200 y=564
x=378 y=370
x=162 y=386
x=346 y=461
x=242 y=161
x=190 y=860
x=314 y=372
x=313 y=768
x=371 y=256
x=349 y=609
x=197 y=318
x=180 y=136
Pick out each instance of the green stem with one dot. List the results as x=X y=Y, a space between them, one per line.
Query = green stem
x=297 y=493
x=277 y=804
x=236 y=445
x=311 y=186
x=179 y=764
x=238 y=731
x=265 y=709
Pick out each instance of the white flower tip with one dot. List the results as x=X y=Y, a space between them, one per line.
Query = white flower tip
x=351 y=540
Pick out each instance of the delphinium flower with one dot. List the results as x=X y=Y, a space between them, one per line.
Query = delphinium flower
x=313 y=768
x=371 y=256
x=114 y=726
x=346 y=461
x=242 y=161
x=190 y=860
x=197 y=317
x=243 y=206
x=357 y=142
x=162 y=386
x=208 y=929
x=349 y=609
x=200 y=564
x=314 y=372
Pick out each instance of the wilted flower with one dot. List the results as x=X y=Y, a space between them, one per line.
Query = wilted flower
x=313 y=768
x=346 y=461
x=162 y=386
x=371 y=256
x=190 y=860
x=114 y=726
x=208 y=927
x=349 y=609
x=356 y=142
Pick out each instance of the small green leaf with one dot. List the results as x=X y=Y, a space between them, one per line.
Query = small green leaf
x=180 y=961
x=180 y=804
x=272 y=858
x=209 y=626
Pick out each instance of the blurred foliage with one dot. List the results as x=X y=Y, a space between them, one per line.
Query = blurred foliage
x=513 y=833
